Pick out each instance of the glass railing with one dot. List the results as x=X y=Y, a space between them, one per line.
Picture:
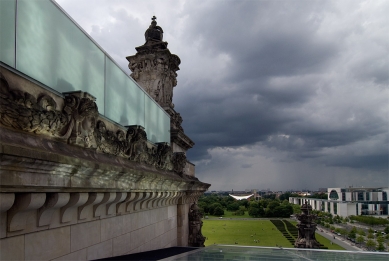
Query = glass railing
x=40 y=40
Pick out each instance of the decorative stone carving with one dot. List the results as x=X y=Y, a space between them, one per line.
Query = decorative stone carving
x=179 y=162
x=154 y=32
x=69 y=211
x=53 y=202
x=24 y=203
x=306 y=228
x=93 y=199
x=154 y=67
x=22 y=111
x=77 y=123
x=196 y=239
x=84 y=112
x=164 y=156
x=176 y=121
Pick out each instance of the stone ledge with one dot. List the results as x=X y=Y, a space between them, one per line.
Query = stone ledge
x=58 y=167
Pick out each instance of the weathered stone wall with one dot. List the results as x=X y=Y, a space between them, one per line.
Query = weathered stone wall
x=75 y=186
x=91 y=238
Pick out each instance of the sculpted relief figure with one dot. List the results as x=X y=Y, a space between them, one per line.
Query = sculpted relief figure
x=84 y=113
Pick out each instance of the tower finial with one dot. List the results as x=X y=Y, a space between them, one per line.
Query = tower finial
x=153 y=18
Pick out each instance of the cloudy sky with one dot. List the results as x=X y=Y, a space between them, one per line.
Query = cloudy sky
x=275 y=94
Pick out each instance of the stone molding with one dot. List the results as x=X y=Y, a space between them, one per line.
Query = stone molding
x=24 y=203
x=105 y=205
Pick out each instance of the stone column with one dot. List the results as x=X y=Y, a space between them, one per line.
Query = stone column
x=182 y=222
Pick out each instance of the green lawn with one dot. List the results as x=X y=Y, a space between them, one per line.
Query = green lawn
x=229 y=214
x=244 y=232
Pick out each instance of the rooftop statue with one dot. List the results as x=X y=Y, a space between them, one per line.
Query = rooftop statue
x=154 y=32
x=306 y=228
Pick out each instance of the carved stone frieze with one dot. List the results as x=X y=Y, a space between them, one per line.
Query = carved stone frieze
x=78 y=123
x=22 y=111
x=179 y=162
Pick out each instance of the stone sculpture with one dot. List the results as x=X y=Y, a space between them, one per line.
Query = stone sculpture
x=154 y=67
x=306 y=228
x=196 y=239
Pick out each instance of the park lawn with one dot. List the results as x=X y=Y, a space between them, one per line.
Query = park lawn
x=230 y=214
x=243 y=232
x=229 y=232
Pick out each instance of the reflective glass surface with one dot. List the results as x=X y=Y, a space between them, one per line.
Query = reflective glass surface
x=53 y=50
x=219 y=252
x=157 y=124
x=7 y=37
x=125 y=101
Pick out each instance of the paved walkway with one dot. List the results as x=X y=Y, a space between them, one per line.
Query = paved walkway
x=339 y=240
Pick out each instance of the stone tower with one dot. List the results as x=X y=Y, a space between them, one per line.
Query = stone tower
x=306 y=228
x=154 y=68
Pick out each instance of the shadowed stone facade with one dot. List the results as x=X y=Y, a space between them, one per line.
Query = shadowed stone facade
x=75 y=185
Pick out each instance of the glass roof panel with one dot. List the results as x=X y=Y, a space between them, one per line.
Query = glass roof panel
x=231 y=253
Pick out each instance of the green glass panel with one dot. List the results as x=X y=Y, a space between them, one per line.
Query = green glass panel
x=157 y=122
x=54 y=51
x=124 y=99
x=7 y=32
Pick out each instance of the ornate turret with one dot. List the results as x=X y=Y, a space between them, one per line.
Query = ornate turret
x=154 y=68
x=306 y=228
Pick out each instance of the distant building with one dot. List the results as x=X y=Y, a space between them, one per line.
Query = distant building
x=350 y=201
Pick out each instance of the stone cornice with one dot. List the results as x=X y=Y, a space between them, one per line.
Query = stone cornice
x=181 y=139
x=31 y=163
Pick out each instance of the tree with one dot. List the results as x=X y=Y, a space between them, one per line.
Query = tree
x=218 y=211
x=296 y=209
x=370 y=235
x=386 y=230
x=233 y=206
x=359 y=239
x=213 y=207
x=380 y=239
x=361 y=232
x=353 y=233
x=255 y=212
x=381 y=247
x=370 y=244
x=240 y=211
x=343 y=231
x=371 y=231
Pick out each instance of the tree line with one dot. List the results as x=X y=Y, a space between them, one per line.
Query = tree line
x=266 y=207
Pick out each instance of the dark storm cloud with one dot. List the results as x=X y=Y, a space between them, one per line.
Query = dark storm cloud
x=253 y=108
x=292 y=91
